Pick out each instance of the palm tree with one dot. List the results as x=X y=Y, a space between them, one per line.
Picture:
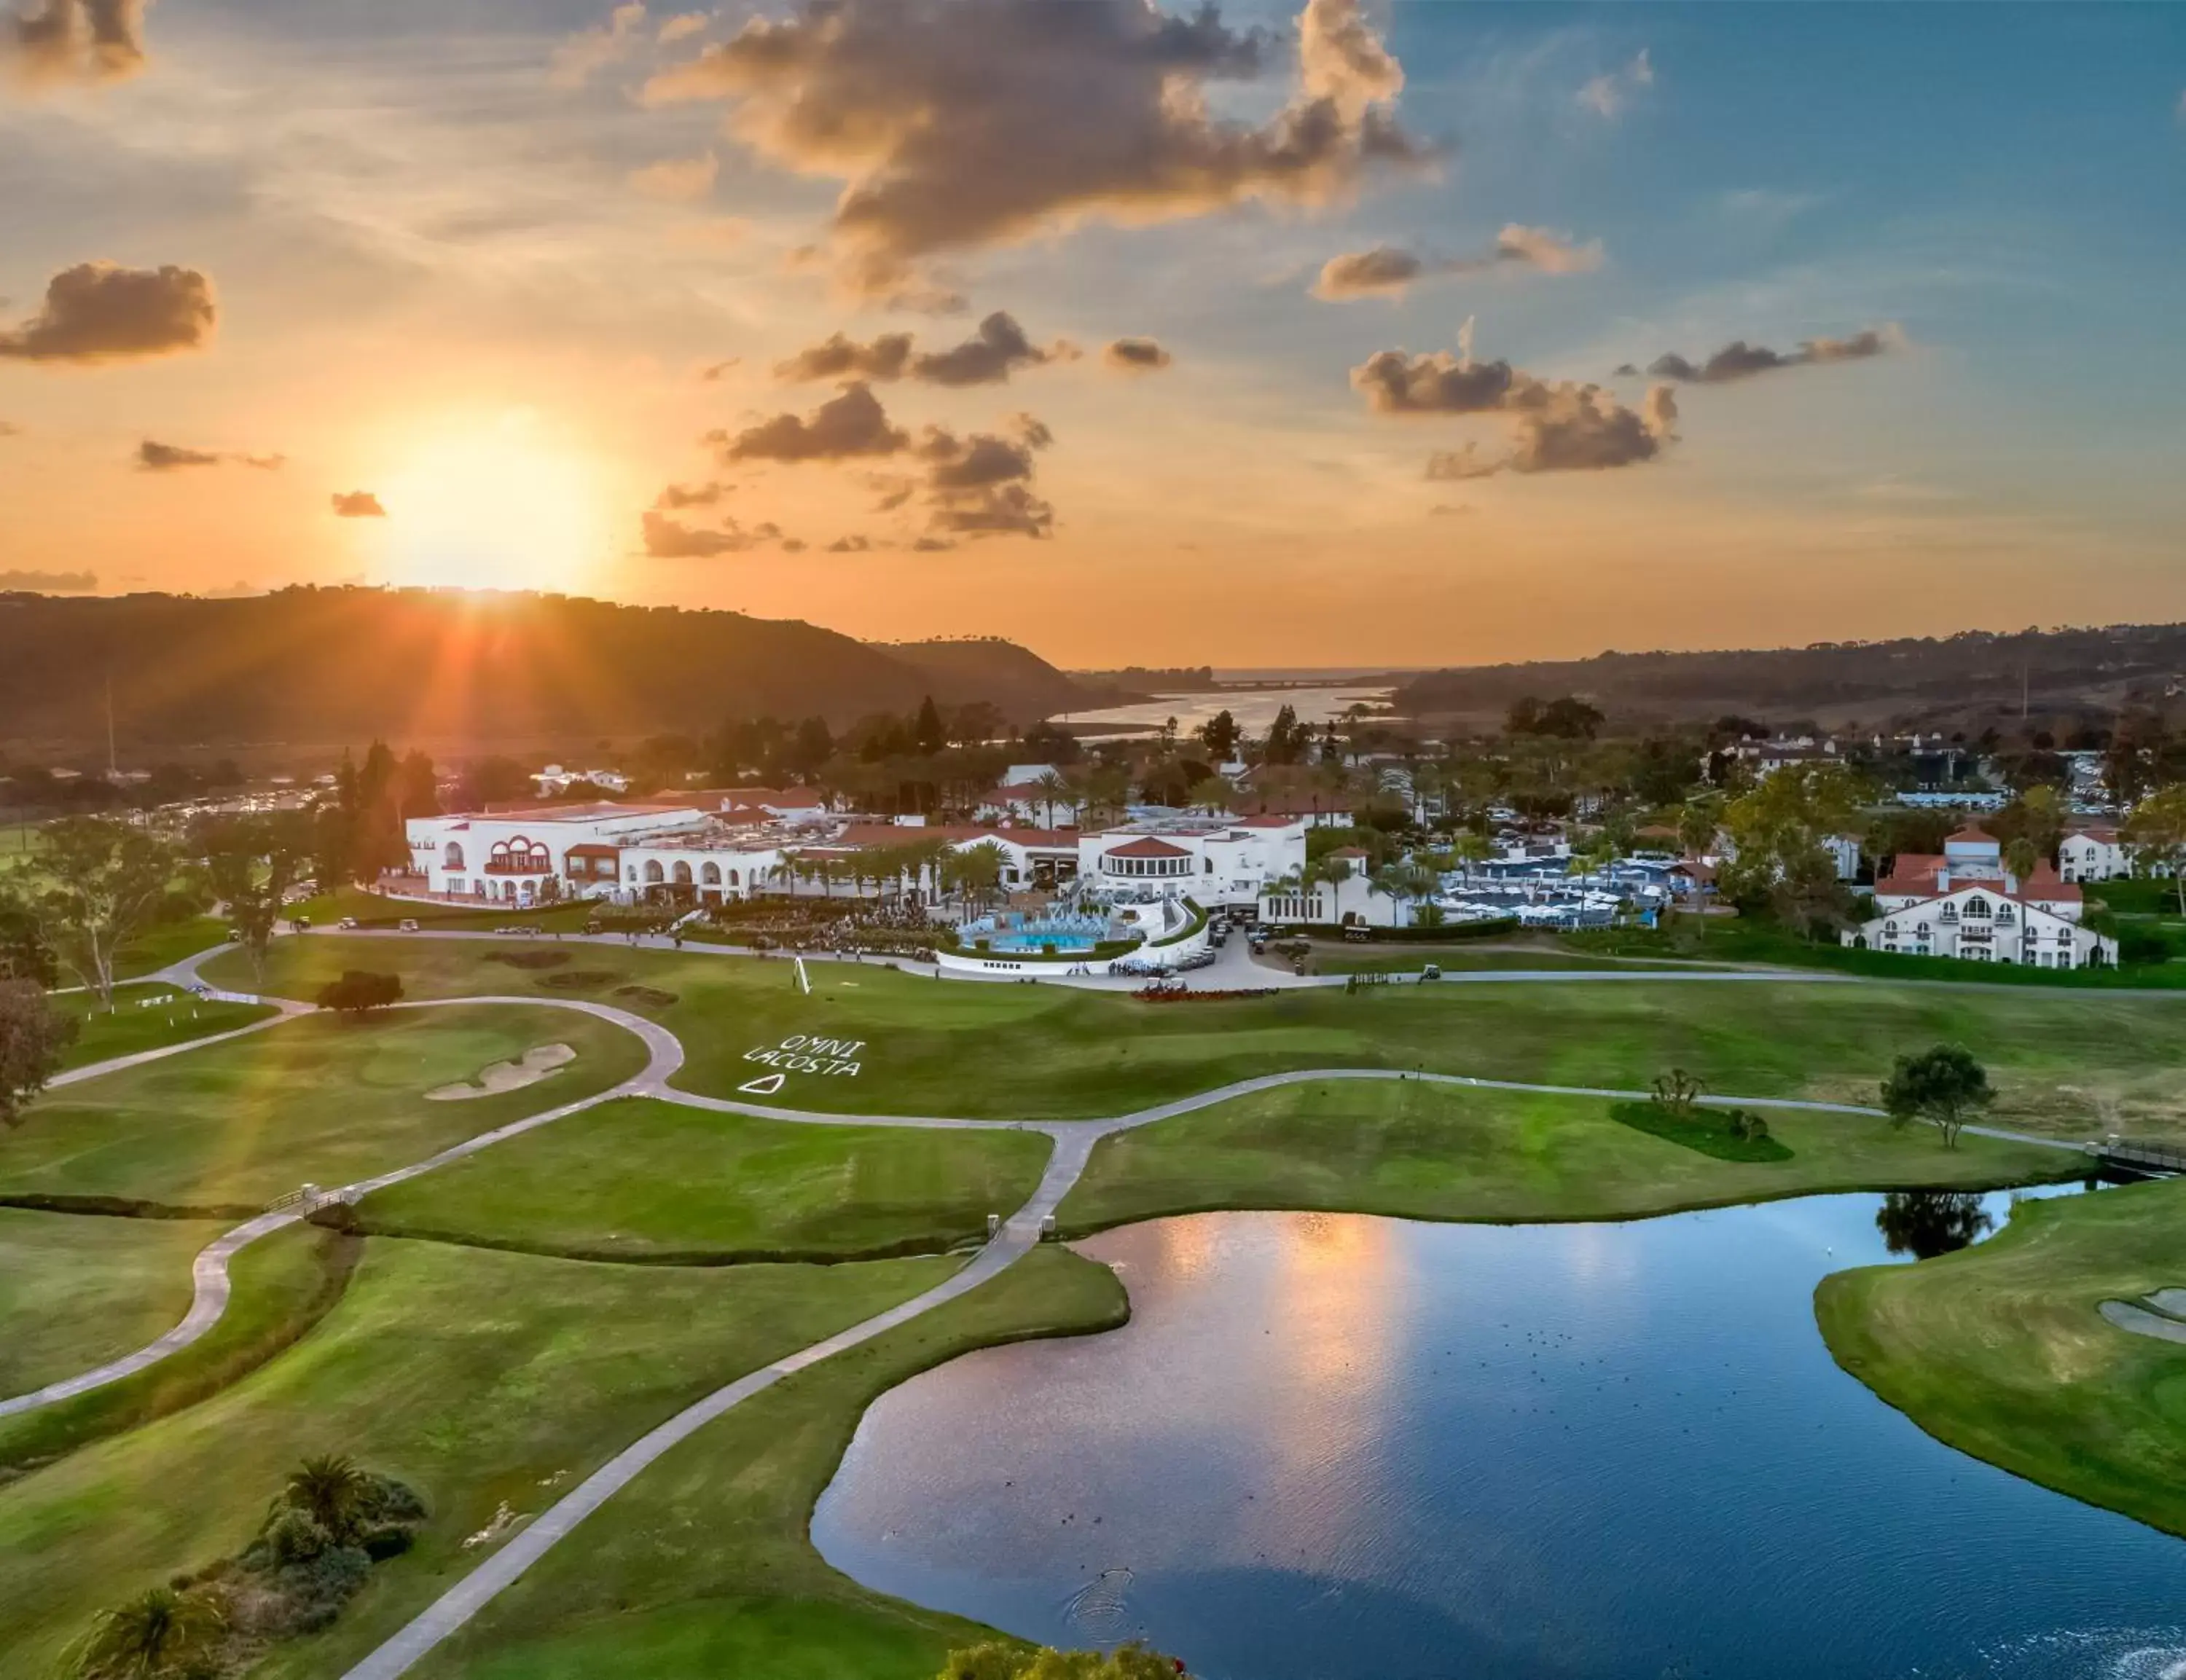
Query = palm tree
x=1052 y=787
x=156 y=1632
x=332 y=1489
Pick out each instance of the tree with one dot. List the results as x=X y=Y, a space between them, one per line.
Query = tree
x=1211 y=793
x=1220 y=735
x=1054 y=787
x=1944 y=1086
x=1470 y=850
x=160 y=1631
x=251 y=863
x=999 y=1661
x=100 y=882
x=975 y=871
x=360 y=991
x=2156 y=833
x=1287 y=743
x=928 y=736
x=333 y=1491
x=1925 y=1223
x=24 y=953
x=1698 y=820
x=1678 y=1091
x=1566 y=719
x=1807 y=895
x=2021 y=857
x=34 y=1038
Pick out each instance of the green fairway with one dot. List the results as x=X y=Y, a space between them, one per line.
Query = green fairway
x=1433 y=1151
x=157 y=947
x=479 y=1379
x=702 y=1568
x=2001 y=1351
x=320 y=1098
x=1467 y=959
x=76 y=1291
x=640 y=1179
x=2077 y=1064
x=282 y=1285
x=147 y=1017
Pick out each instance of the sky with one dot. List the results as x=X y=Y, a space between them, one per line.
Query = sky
x=1248 y=334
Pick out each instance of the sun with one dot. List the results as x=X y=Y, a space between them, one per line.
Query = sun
x=495 y=504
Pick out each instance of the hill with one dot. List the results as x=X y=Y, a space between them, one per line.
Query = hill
x=1973 y=679
x=988 y=667
x=308 y=665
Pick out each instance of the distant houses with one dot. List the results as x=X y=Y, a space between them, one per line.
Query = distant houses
x=1966 y=904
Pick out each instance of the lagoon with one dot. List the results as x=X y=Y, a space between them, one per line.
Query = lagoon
x=1339 y=1447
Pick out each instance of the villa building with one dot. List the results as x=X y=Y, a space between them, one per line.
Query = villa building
x=2090 y=851
x=1966 y=904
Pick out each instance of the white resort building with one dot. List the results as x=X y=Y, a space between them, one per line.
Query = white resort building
x=1966 y=904
x=2090 y=851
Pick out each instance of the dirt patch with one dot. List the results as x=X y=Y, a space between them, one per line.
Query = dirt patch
x=650 y=996
x=528 y=959
x=581 y=979
x=528 y=1069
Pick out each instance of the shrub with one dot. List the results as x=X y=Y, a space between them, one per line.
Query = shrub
x=652 y=997
x=293 y=1537
x=581 y=979
x=360 y=991
x=530 y=959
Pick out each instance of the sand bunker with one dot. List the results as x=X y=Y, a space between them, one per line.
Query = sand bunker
x=534 y=1065
x=2127 y=1316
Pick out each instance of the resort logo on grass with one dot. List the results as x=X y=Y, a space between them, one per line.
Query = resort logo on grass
x=798 y=1054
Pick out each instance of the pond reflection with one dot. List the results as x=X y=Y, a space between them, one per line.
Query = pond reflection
x=1925 y=1224
x=1330 y=1448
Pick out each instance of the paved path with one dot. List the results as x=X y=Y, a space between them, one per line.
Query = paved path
x=208 y=1270
x=287 y=1010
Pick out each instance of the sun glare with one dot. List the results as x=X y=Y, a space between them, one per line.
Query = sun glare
x=496 y=505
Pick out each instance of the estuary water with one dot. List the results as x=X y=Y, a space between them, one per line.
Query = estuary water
x=1337 y=1448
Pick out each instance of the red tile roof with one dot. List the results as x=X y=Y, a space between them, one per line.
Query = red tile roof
x=1969 y=836
x=1148 y=847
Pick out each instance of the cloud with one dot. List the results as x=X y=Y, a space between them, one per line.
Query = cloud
x=1606 y=95
x=667 y=539
x=673 y=497
x=853 y=544
x=1556 y=426
x=1739 y=360
x=1445 y=510
x=1137 y=356
x=8 y=428
x=357 y=505
x=159 y=457
x=959 y=124
x=576 y=59
x=837 y=358
x=98 y=312
x=932 y=545
x=678 y=180
x=843 y=427
x=988 y=357
x=980 y=485
x=1390 y=270
x=712 y=370
x=681 y=27
x=49 y=583
x=84 y=40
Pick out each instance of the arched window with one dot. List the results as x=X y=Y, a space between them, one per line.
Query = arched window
x=653 y=875
x=711 y=875
x=453 y=857
x=733 y=880
x=542 y=861
x=683 y=874
x=1977 y=907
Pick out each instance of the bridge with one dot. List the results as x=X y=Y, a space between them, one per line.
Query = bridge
x=2145 y=1160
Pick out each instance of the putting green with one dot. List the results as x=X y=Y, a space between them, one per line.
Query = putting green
x=2001 y=1349
x=478 y=1378
x=2072 y=1063
x=638 y=1179
x=77 y=1290
x=1423 y=1150
x=319 y=1098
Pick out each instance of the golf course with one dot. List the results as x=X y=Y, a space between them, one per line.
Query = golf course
x=645 y=1262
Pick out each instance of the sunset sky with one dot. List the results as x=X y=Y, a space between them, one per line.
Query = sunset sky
x=1252 y=335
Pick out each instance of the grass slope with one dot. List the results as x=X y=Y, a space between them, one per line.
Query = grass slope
x=1430 y=1151
x=2075 y=1063
x=317 y=1098
x=478 y=1378
x=2000 y=1350
x=702 y=1567
x=147 y=1017
x=284 y=1284
x=76 y=1291
x=644 y=1180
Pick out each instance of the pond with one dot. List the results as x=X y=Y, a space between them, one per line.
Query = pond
x=1254 y=710
x=1337 y=1448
